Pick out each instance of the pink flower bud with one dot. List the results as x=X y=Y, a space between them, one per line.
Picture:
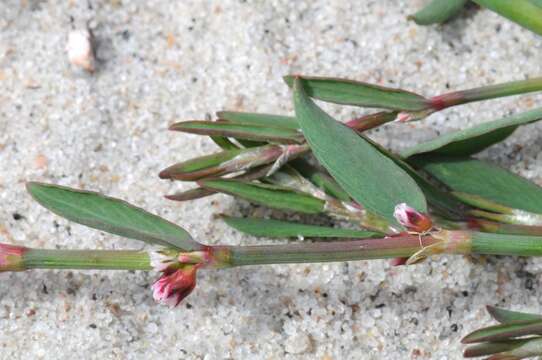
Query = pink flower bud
x=171 y=288
x=11 y=257
x=412 y=219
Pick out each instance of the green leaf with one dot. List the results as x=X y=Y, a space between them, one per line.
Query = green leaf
x=200 y=192
x=267 y=120
x=507 y=316
x=348 y=92
x=111 y=215
x=504 y=331
x=371 y=178
x=438 y=11
x=490 y=348
x=276 y=228
x=320 y=179
x=443 y=203
x=267 y=195
x=498 y=228
x=238 y=131
x=225 y=162
x=191 y=194
x=201 y=166
x=472 y=176
x=527 y=13
x=224 y=143
x=476 y=138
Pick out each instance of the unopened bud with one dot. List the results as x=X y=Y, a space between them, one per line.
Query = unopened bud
x=412 y=219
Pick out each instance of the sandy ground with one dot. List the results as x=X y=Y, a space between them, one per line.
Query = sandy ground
x=162 y=61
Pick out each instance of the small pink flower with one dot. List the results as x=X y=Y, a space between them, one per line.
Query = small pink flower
x=412 y=219
x=172 y=287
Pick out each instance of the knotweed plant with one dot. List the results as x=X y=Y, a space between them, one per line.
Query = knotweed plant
x=433 y=198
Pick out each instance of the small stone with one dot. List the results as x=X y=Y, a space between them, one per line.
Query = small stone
x=80 y=49
x=298 y=344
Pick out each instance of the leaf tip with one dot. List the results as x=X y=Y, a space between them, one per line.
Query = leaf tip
x=466 y=340
x=174 y=126
x=165 y=174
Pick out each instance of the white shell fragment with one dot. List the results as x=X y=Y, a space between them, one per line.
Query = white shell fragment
x=80 y=49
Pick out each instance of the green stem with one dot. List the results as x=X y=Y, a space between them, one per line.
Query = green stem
x=449 y=242
x=402 y=245
x=485 y=93
x=86 y=259
x=390 y=247
x=512 y=245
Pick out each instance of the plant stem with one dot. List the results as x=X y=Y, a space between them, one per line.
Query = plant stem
x=512 y=245
x=402 y=245
x=389 y=247
x=485 y=93
x=86 y=259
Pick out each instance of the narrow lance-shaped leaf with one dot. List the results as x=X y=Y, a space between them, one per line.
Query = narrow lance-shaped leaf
x=267 y=195
x=348 y=92
x=371 y=178
x=230 y=161
x=239 y=131
x=224 y=143
x=277 y=228
x=499 y=228
x=111 y=215
x=490 y=348
x=260 y=119
x=530 y=348
x=200 y=192
x=476 y=138
x=507 y=316
x=437 y=11
x=192 y=194
x=527 y=13
x=499 y=212
x=504 y=331
x=482 y=203
x=472 y=176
